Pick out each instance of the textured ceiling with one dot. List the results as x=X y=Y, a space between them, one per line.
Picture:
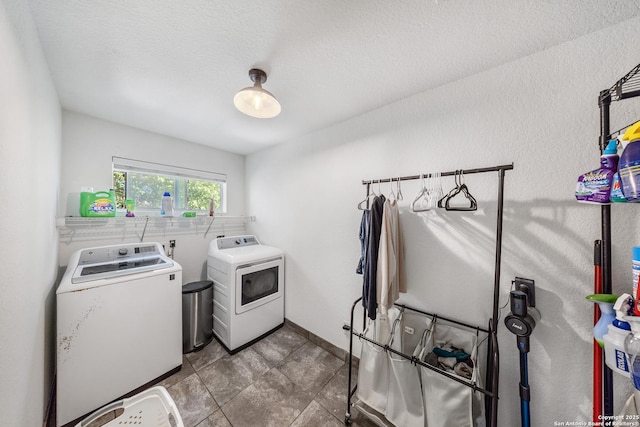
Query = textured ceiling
x=172 y=67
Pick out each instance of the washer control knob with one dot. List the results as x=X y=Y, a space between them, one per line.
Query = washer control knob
x=238 y=241
x=122 y=251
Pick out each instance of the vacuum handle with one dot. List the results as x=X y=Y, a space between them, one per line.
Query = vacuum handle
x=523 y=343
x=518 y=301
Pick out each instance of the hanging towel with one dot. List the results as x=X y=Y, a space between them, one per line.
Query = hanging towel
x=369 y=292
x=390 y=272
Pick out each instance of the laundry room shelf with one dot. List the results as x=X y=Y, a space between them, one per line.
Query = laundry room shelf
x=627 y=87
x=140 y=227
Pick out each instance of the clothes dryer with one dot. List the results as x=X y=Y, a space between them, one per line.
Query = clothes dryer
x=248 y=290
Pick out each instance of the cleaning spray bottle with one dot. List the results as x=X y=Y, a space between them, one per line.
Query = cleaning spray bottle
x=629 y=169
x=607 y=315
x=616 y=190
x=595 y=186
x=614 y=350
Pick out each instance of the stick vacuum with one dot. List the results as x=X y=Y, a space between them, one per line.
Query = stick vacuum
x=521 y=322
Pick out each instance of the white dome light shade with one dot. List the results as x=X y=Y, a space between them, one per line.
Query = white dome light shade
x=255 y=101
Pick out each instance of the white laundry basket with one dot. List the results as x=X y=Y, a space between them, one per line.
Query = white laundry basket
x=151 y=408
x=446 y=401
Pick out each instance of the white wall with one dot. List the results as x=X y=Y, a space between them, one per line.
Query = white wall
x=88 y=145
x=540 y=113
x=29 y=176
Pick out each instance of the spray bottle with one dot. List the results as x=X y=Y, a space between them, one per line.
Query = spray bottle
x=614 y=339
x=607 y=315
x=629 y=161
x=616 y=195
x=595 y=186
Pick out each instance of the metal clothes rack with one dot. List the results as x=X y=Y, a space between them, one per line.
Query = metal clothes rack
x=493 y=355
x=625 y=88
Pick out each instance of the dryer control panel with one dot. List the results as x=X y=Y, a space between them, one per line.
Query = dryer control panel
x=113 y=253
x=111 y=261
x=237 y=241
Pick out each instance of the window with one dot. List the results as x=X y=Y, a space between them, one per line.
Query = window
x=146 y=182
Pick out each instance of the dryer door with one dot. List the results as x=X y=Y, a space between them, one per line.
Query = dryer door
x=258 y=284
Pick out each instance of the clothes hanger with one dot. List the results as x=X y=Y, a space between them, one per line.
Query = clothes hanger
x=361 y=205
x=421 y=200
x=462 y=188
x=370 y=193
x=399 y=190
x=436 y=190
x=443 y=200
x=392 y=195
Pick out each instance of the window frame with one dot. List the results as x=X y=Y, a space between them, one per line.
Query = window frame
x=120 y=164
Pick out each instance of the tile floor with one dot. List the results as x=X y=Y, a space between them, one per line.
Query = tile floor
x=289 y=378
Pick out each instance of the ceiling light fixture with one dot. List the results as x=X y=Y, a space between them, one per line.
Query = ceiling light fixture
x=255 y=101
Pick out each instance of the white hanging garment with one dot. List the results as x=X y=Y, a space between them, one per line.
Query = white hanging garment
x=373 y=376
x=447 y=402
x=390 y=276
x=405 y=406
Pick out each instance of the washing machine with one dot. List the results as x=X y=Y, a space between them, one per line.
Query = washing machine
x=119 y=325
x=248 y=290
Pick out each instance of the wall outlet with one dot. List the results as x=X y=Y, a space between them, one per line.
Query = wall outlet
x=527 y=286
x=172 y=243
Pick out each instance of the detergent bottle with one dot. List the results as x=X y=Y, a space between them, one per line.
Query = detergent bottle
x=100 y=204
x=629 y=167
x=614 y=351
x=166 y=205
x=595 y=186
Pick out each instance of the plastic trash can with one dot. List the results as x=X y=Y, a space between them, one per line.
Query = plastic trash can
x=197 y=315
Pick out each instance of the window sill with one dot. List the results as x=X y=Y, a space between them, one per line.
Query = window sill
x=141 y=227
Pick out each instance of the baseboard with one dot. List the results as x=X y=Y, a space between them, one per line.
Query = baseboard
x=320 y=342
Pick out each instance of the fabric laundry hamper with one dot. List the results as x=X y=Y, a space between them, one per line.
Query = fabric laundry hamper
x=446 y=401
x=373 y=377
x=405 y=407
